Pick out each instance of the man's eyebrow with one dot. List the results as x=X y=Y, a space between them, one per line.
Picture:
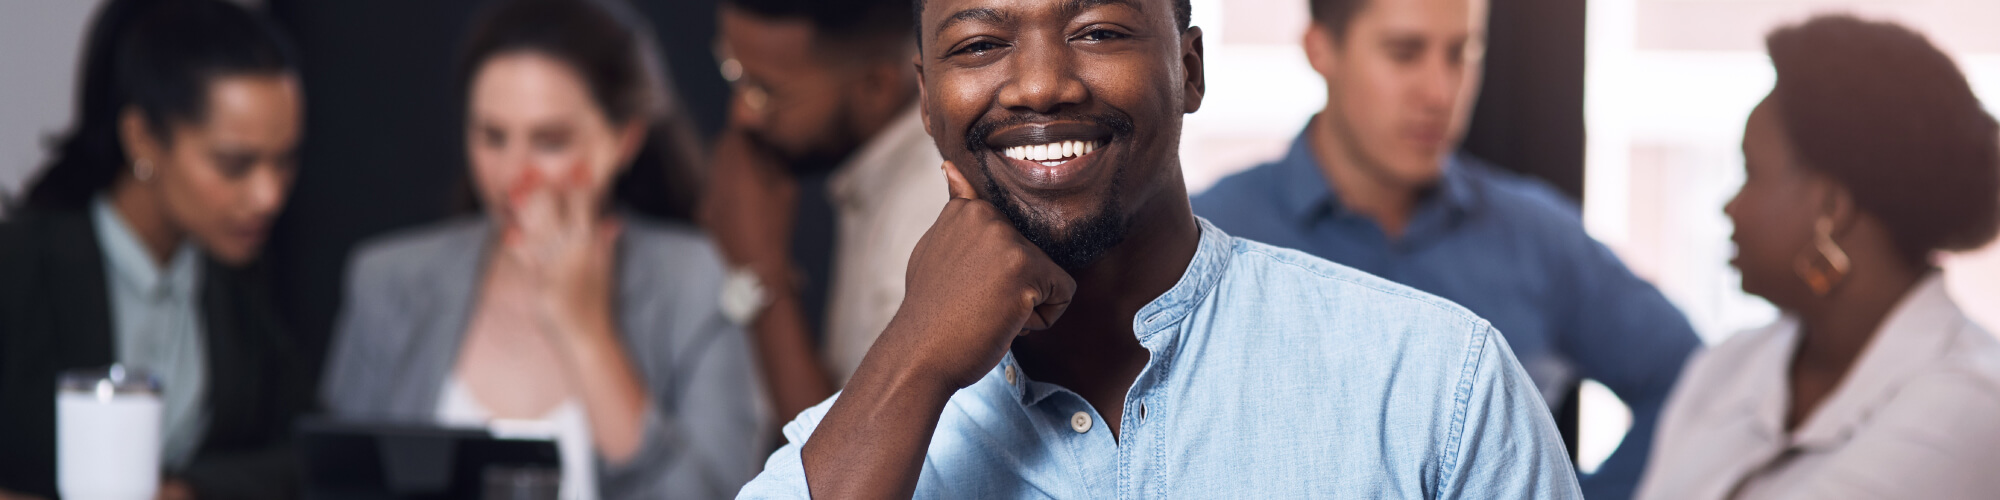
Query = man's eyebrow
x=1070 y=8
x=987 y=15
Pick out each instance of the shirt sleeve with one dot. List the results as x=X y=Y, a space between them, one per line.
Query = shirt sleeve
x=1622 y=332
x=363 y=336
x=700 y=433
x=1505 y=444
x=784 y=473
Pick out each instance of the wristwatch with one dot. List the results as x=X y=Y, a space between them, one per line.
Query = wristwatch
x=744 y=296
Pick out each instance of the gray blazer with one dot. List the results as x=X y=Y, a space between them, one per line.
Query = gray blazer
x=410 y=296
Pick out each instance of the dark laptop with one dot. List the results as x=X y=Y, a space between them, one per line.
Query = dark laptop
x=348 y=460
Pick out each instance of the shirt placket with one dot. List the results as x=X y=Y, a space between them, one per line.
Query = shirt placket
x=1142 y=438
x=1083 y=432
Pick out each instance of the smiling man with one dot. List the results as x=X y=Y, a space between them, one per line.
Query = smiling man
x=1072 y=330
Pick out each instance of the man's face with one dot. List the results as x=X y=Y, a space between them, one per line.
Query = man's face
x=1401 y=83
x=790 y=99
x=1065 y=114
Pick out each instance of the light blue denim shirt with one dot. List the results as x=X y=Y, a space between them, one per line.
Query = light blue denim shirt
x=1273 y=373
x=1511 y=249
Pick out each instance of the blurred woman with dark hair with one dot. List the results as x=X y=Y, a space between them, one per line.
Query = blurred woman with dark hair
x=1870 y=156
x=552 y=307
x=135 y=246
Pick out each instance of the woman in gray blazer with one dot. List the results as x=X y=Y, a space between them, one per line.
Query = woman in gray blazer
x=549 y=312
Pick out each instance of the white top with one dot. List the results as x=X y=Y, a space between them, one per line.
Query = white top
x=567 y=424
x=157 y=324
x=1918 y=416
x=884 y=197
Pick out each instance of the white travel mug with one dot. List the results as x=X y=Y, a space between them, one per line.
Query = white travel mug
x=107 y=434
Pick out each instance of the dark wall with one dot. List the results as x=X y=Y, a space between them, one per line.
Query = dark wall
x=384 y=148
x=1530 y=112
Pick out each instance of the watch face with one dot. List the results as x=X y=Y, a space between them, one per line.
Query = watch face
x=743 y=296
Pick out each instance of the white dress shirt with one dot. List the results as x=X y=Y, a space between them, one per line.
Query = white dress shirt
x=1917 y=416
x=884 y=197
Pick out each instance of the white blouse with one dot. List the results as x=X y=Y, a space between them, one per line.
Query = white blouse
x=566 y=424
x=1917 y=416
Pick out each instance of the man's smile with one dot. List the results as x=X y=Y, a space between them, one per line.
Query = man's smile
x=1055 y=156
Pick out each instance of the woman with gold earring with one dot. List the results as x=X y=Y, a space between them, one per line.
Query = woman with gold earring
x=1869 y=156
x=138 y=245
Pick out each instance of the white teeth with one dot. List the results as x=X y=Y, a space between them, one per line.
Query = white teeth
x=1051 y=151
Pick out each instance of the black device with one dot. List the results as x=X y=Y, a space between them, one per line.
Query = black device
x=356 y=460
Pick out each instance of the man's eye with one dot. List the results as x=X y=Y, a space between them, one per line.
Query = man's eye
x=1102 y=35
x=977 y=47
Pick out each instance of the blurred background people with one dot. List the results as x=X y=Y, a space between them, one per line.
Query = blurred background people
x=552 y=305
x=1373 y=183
x=1870 y=155
x=823 y=90
x=139 y=243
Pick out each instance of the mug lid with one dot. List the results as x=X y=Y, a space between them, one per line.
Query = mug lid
x=109 y=380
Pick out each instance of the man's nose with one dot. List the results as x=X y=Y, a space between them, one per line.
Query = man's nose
x=1440 y=82
x=1044 y=79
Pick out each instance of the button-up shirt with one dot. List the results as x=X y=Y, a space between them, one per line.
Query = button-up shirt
x=1271 y=373
x=1916 y=416
x=1507 y=247
x=156 y=321
x=884 y=198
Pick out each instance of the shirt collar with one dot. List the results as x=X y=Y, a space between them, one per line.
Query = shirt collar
x=1305 y=191
x=1157 y=325
x=1917 y=332
x=857 y=181
x=131 y=265
x=1308 y=193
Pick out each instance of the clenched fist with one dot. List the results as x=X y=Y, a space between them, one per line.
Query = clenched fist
x=974 y=283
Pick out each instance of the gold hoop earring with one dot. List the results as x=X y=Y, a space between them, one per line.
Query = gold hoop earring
x=1827 y=265
x=142 y=171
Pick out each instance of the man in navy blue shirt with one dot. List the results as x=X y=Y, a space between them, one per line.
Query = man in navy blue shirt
x=1372 y=183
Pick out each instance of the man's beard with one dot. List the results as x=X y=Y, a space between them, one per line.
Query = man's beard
x=1074 y=245
x=1085 y=240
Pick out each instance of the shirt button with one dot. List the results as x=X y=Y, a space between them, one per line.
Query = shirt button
x=1010 y=374
x=1080 y=422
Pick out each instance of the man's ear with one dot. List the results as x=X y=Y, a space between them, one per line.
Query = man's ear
x=1192 y=61
x=886 y=85
x=923 y=95
x=1322 y=49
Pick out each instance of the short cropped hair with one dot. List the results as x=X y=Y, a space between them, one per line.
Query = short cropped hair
x=1337 y=15
x=874 y=25
x=1183 y=15
x=1878 y=108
